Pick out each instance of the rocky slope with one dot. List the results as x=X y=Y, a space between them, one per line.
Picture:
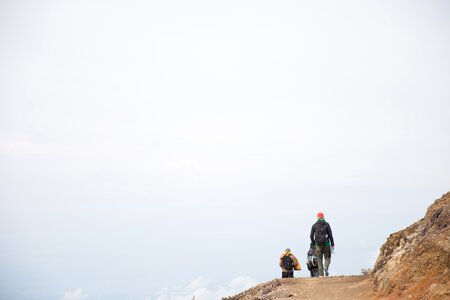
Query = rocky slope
x=414 y=262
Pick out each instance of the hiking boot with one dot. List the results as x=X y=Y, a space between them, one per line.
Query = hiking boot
x=326 y=272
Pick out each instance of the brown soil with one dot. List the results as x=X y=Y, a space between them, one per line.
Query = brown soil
x=333 y=288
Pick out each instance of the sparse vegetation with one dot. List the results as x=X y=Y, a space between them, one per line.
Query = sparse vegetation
x=366 y=271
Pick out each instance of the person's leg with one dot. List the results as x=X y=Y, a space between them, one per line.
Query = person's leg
x=284 y=275
x=291 y=274
x=327 y=254
x=316 y=272
x=319 y=254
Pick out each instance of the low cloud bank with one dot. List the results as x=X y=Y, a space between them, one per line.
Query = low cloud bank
x=78 y=294
x=201 y=290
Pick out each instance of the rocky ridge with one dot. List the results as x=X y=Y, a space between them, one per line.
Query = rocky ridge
x=414 y=262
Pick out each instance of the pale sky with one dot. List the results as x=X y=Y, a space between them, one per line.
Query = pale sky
x=165 y=149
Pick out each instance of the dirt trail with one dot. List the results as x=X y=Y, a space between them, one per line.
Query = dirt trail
x=333 y=288
x=340 y=287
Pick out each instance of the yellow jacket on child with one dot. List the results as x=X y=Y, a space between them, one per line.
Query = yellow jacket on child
x=297 y=266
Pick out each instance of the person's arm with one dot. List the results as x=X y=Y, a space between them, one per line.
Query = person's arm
x=311 y=236
x=281 y=264
x=330 y=235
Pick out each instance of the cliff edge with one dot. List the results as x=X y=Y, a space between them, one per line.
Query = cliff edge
x=414 y=262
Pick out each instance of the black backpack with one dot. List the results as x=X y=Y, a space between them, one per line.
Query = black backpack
x=288 y=264
x=311 y=262
x=321 y=235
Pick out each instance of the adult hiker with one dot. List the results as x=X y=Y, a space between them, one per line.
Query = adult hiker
x=322 y=237
x=288 y=263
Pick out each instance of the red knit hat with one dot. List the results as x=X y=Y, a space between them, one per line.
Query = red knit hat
x=320 y=215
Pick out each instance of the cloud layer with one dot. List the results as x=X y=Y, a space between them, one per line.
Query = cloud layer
x=78 y=294
x=201 y=290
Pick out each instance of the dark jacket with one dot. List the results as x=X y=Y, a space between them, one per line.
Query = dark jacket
x=329 y=233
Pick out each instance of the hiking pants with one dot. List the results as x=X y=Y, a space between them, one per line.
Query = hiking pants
x=287 y=274
x=323 y=251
